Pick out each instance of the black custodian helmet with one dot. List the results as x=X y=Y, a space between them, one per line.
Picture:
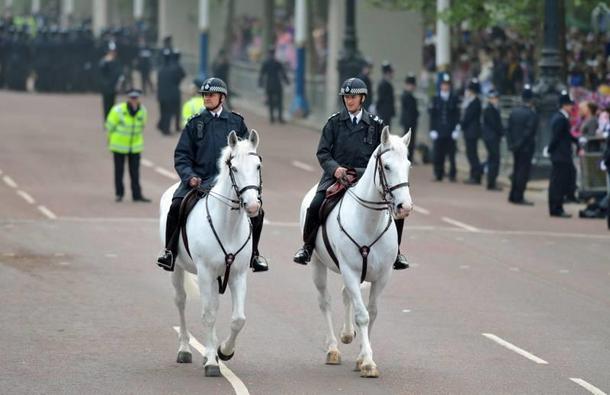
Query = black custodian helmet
x=353 y=86
x=213 y=85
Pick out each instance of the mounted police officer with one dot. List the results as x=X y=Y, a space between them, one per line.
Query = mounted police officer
x=521 y=140
x=471 y=125
x=196 y=157
x=348 y=140
x=444 y=117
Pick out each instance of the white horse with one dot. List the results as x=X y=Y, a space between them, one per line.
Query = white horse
x=363 y=219
x=218 y=232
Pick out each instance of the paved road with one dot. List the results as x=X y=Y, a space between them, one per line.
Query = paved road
x=85 y=310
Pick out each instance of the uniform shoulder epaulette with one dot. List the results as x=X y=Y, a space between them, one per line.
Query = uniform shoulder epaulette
x=194 y=116
x=376 y=119
x=238 y=114
x=334 y=115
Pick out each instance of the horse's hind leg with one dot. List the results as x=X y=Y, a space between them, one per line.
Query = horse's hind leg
x=209 y=300
x=347 y=333
x=184 y=350
x=333 y=356
x=238 y=319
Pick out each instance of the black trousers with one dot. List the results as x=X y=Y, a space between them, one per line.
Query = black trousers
x=444 y=147
x=146 y=82
x=472 y=153
x=275 y=99
x=107 y=103
x=413 y=142
x=571 y=189
x=167 y=109
x=522 y=165
x=172 y=229
x=559 y=185
x=493 y=161
x=134 y=174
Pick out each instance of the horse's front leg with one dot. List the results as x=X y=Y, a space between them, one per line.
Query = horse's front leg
x=365 y=362
x=376 y=289
x=184 y=350
x=333 y=356
x=208 y=289
x=347 y=333
x=238 y=285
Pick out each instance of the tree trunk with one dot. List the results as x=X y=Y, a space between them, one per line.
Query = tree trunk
x=269 y=25
x=229 y=25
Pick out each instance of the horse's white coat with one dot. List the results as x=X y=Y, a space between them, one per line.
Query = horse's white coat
x=208 y=260
x=364 y=225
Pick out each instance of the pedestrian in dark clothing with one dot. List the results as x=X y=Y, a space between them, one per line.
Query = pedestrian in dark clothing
x=471 y=126
x=168 y=91
x=521 y=141
x=560 y=150
x=385 y=107
x=110 y=78
x=144 y=65
x=196 y=157
x=179 y=75
x=492 y=135
x=365 y=76
x=409 y=112
x=348 y=140
x=444 y=114
x=271 y=77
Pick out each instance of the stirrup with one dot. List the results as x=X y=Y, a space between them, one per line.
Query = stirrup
x=163 y=263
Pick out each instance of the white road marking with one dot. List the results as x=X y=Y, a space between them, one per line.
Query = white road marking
x=281 y=224
x=26 y=196
x=166 y=173
x=63 y=263
x=421 y=210
x=460 y=224
x=238 y=385
x=302 y=166
x=8 y=254
x=564 y=271
x=589 y=387
x=59 y=254
x=514 y=269
x=146 y=163
x=465 y=267
x=514 y=348
x=110 y=219
x=47 y=212
x=406 y=311
x=111 y=256
x=9 y=181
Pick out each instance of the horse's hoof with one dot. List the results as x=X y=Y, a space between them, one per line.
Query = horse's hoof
x=369 y=371
x=333 y=357
x=347 y=339
x=358 y=365
x=222 y=356
x=212 y=371
x=184 y=357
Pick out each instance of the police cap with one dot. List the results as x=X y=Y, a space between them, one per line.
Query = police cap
x=353 y=86
x=213 y=85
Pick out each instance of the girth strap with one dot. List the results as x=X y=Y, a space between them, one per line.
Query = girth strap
x=329 y=248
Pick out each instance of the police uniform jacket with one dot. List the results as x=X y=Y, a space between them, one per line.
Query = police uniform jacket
x=560 y=147
x=200 y=145
x=272 y=75
x=409 y=113
x=385 y=101
x=369 y=87
x=471 y=122
x=444 y=115
x=168 y=81
x=521 y=130
x=492 y=124
x=110 y=72
x=343 y=144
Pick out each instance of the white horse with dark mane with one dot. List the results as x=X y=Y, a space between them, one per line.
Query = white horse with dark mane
x=220 y=245
x=363 y=240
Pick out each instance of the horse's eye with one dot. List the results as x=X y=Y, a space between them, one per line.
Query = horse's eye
x=387 y=167
x=234 y=169
x=258 y=167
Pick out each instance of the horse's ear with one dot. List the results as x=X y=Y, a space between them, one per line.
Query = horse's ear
x=232 y=139
x=407 y=138
x=253 y=138
x=385 y=135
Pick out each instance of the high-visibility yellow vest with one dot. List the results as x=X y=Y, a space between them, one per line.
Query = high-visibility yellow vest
x=192 y=107
x=124 y=130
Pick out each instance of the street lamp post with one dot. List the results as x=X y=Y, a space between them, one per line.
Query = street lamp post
x=204 y=23
x=300 y=107
x=351 y=62
x=549 y=85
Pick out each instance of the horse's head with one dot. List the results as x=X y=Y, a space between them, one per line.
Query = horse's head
x=392 y=172
x=243 y=166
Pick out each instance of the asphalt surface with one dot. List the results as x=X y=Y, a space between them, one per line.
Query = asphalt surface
x=84 y=308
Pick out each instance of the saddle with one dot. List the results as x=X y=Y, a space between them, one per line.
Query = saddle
x=335 y=192
x=187 y=205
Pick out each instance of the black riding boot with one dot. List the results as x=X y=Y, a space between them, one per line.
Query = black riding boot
x=258 y=263
x=310 y=231
x=401 y=261
x=167 y=259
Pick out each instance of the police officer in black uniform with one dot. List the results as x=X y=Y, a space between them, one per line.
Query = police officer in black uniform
x=471 y=126
x=492 y=135
x=271 y=77
x=409 y=112
x=111 y=72
x=196 y=157
x=444 y=114
x=560 y=150
x=385 y=106
x=521 y=140
x=365 y=76
x=348 y=140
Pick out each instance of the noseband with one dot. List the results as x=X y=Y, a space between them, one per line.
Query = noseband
x=258 y=188
x=387 y=190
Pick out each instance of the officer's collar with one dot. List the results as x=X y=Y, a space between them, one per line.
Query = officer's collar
x=223 y=113
x=346 y=116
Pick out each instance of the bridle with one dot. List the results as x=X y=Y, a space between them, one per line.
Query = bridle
x=237 y=204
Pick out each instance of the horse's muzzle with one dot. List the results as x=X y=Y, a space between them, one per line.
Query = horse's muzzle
x=252 y=209
x=402 y=210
